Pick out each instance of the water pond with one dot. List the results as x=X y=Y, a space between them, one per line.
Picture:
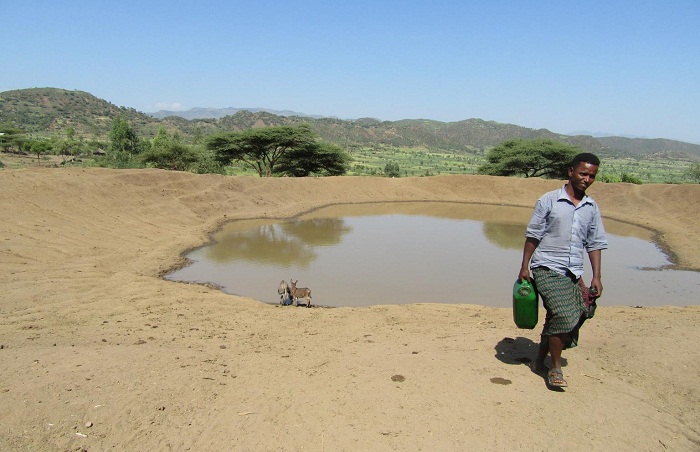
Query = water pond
x=399 y=253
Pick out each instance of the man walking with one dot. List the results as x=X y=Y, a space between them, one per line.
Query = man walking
x=565 y=224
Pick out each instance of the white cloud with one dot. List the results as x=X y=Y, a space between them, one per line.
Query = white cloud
x=172 y=106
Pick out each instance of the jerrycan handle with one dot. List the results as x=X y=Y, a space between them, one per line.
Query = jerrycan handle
x=525 y=288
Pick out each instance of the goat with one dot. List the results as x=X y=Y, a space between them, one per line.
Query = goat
x=300 y=292
x=284 y=292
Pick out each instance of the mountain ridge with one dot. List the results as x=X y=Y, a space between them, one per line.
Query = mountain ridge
x=51 y=111
x=217 y=113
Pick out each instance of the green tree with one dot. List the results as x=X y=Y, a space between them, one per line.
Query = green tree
x=173 y=156
x=530 y=158
x=197 y=138
x=320 y=158
x=608 y=178
x=11 y=138
x=124 y=142
x=631 y=179
x=161 y=140
x=37 y=147
x=66 y=148
x=694 y=172
x=391 y=169
x=292 y=150
x=206 y=162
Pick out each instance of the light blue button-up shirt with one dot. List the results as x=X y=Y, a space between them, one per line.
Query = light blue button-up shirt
x=565 y=231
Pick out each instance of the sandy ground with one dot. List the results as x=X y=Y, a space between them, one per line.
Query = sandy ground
x=98 y=352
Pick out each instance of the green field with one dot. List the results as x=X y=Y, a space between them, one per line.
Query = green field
x=413 y=161
x=649 y=170
x=424 y=162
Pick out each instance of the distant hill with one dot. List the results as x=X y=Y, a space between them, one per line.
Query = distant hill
x=216 y=113
x=601 y=134
x=51 y=111
x=647 y=146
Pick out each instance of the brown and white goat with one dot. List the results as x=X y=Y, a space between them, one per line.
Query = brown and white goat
x=300 y=292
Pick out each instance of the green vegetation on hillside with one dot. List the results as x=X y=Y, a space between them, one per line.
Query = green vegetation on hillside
x=76 y=126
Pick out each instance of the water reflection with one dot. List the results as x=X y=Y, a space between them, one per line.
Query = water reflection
x=395 y=253
x=508 y=236
x=289 y=243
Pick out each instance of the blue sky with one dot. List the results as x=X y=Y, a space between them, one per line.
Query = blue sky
x=600 y=66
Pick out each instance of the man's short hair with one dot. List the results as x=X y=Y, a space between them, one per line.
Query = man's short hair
x=586 y=157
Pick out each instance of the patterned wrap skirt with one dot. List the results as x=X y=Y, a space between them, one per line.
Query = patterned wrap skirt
x=563 y=301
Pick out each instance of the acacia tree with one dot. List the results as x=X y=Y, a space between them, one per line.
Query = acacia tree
x=292 y=150
x=530 y=158
x=694 y=172
x=37 y=147
x=317 y=157
x=11 y=137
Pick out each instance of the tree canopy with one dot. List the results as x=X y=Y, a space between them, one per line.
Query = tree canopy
x=124 y=142
x=37 y=147
x=290 y=150
x=530 y=158
x=391 y=169
x=11 y=137
x=694 y=172
x=171 y=156
x=318 y=157
x=168 y=152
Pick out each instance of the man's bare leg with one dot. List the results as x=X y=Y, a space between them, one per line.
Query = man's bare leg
x=556 y=345
x=542 y=353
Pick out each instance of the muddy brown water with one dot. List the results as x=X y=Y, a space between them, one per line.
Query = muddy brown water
x=400 y=253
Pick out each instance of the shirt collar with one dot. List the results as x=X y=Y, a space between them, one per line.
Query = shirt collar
x=563 y=196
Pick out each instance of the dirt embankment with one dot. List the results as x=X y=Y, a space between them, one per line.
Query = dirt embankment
x=98 y=352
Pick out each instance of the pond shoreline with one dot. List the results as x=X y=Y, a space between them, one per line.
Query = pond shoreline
x=243 y=256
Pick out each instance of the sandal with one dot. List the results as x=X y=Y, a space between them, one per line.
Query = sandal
x=555 y=378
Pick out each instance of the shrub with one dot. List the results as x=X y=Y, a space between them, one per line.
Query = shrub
x=391 y=169
x=631 y=179
x=608 y=178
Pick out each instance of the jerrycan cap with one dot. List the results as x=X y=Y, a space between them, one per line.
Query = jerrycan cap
x=525 y=289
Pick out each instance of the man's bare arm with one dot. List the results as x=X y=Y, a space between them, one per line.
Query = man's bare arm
x=529 y=248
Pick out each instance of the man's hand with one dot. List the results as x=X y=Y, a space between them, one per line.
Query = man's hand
x=524 y=274
x=597 y=285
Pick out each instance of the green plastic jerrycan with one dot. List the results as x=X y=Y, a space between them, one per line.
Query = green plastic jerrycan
x=525 y=304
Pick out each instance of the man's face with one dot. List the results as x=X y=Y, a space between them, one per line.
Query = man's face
x=582 y=175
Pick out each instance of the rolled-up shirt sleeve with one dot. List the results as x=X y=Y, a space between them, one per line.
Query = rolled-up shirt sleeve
x=538 y=222
x=596 y=239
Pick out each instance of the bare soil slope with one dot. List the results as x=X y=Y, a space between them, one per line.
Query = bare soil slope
x=97 y=352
